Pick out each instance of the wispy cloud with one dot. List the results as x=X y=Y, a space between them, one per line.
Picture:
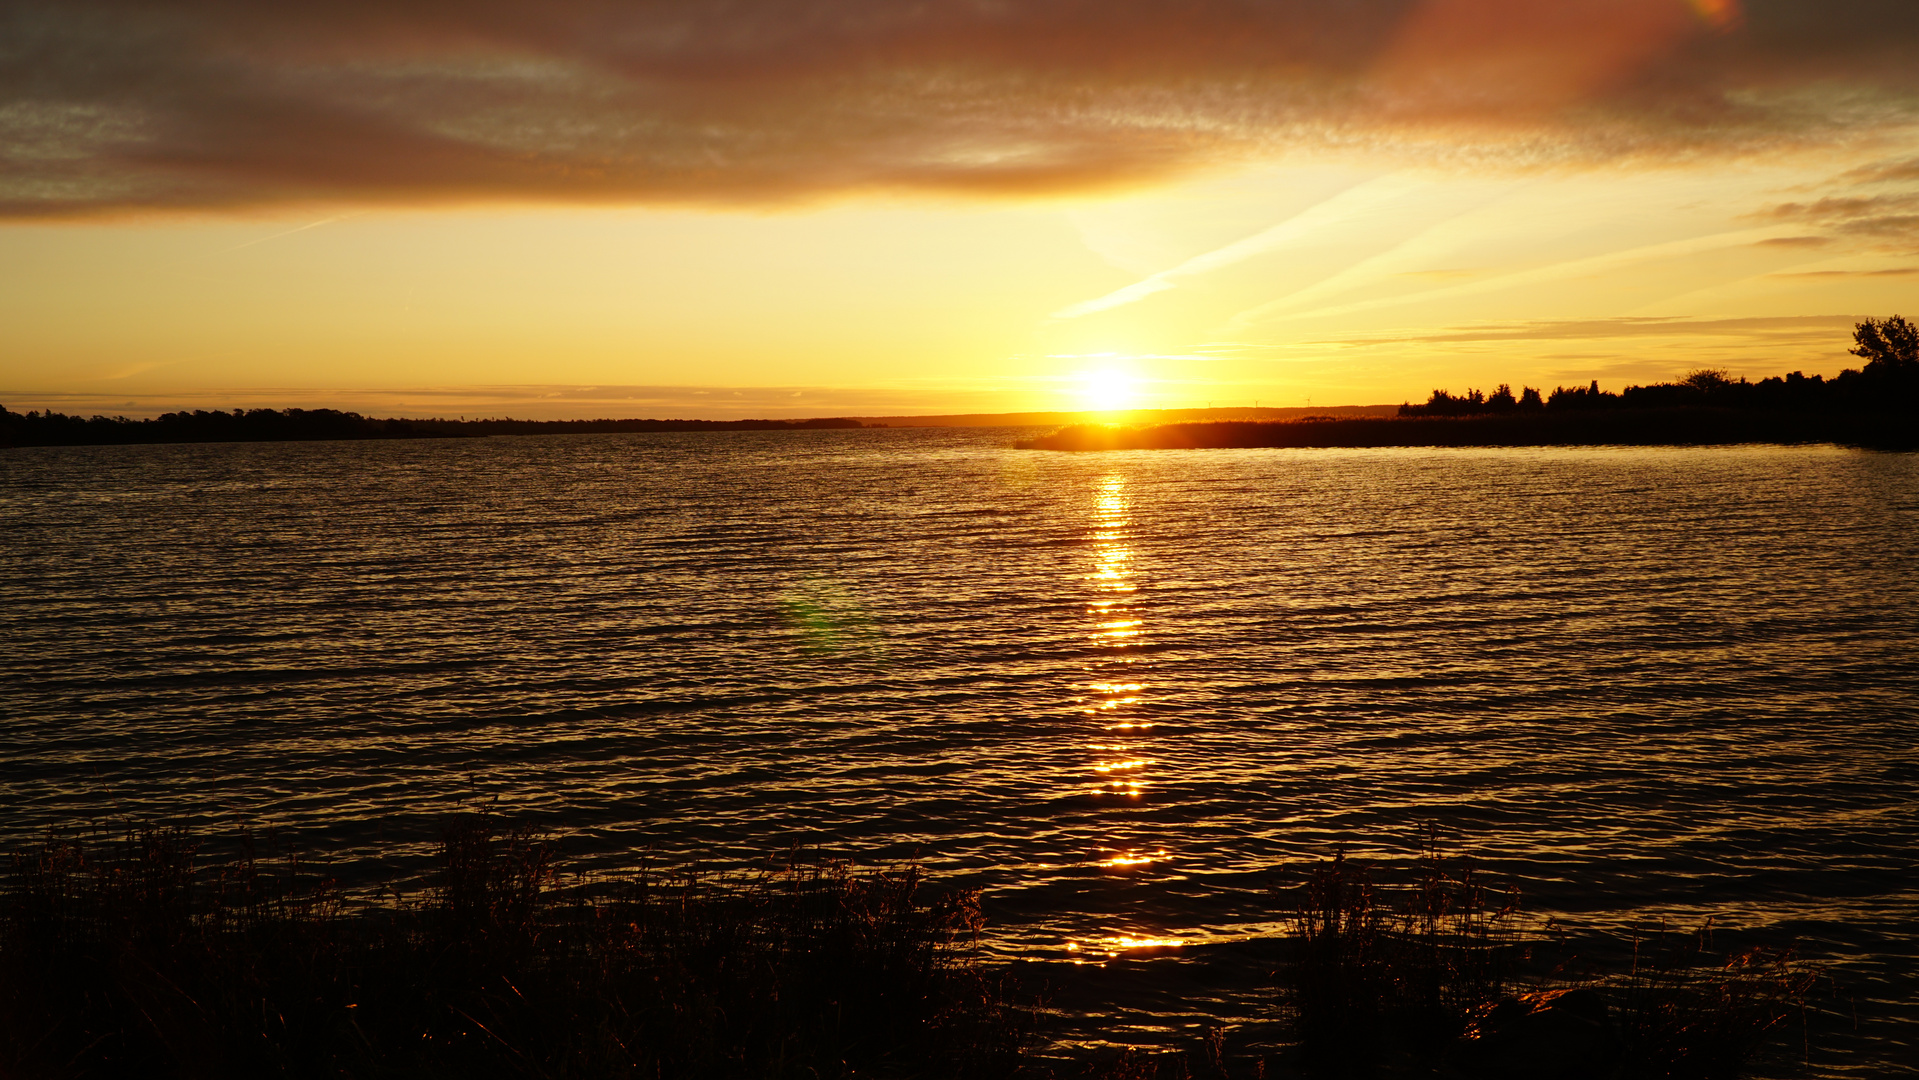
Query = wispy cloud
x=1885 y=172
x=1896 y=271
x=1775 y=329
x=1878 y=204
x=1330 y=214
x=128 y=371
x=1535 y=275
x=289 y=232
x=1435 y=241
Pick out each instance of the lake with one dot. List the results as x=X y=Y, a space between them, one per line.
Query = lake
x=1125 y=694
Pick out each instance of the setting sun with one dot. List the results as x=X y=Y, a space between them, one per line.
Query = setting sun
x=1107 y=390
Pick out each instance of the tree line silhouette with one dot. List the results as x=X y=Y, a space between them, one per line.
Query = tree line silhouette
x=50 y=428
x=1887 y=385
x=1888 y=381
x=1875 y=407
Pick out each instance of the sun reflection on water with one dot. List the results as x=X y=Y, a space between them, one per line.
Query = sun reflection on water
x=1121 y=763
x=1135 y=858
x=1095 y=950
x=1116 y=631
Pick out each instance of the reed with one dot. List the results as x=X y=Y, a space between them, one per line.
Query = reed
x=1439 y=975
x=1387 y=977
x=140 y=955
x=1688 y=1013
x=133 y=959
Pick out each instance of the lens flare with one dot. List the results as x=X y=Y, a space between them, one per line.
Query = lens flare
x=1720 y=14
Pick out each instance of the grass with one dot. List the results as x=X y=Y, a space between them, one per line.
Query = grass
x=132 y=959
x=143 y=956
x=1386 y=978
x=1440 y=974
x=1691 y=1014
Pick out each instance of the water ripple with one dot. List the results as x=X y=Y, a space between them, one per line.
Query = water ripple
x=1115 y=690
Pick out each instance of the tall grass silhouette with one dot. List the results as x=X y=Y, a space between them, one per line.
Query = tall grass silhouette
x=131 y=959
x=141 y=955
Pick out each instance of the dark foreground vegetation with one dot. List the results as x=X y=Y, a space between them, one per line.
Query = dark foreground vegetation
x=1876 y=406
x=140 y=959
x=50 y=428
x=146 y=957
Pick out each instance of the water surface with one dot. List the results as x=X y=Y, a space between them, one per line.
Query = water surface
x=1121 y=692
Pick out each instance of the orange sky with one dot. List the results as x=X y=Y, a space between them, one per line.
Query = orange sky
x=599 y=208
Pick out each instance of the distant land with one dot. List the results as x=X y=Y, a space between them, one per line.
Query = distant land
x=1672 y=426
x=1876 y=406
x=49 y=428
x=1126 y=416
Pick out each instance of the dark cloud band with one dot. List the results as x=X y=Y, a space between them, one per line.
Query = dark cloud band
x=107 y=105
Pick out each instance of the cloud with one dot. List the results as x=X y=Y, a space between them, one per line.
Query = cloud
x=1885 y=172
x=1298 y=306
x=1354 y=202
x=114 y=104
x=1897 y=271
x=1634 y=348
x=289 y=232
x=1878 y=203
x=1780 y=329
x=1857 y=213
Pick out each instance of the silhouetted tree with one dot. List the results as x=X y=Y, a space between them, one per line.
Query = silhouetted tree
x=1892 y=342
x=1707 y=380
x=1529 y=399
x=1443 y=403
x=1581 y=397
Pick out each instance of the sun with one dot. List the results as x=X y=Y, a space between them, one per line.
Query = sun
x=1108 y=390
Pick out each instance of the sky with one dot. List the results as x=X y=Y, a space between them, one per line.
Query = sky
x=731 y=208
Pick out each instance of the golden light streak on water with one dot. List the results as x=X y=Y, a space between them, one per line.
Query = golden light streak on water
x=1115 y=626
x=1135 y=858
x=1115 y=693
x=1107 y=948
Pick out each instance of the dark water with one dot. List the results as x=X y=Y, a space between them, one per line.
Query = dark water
x=1118 y=691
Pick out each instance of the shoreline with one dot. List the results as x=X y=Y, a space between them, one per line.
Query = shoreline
x=1692 y=426
x=49 y=428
